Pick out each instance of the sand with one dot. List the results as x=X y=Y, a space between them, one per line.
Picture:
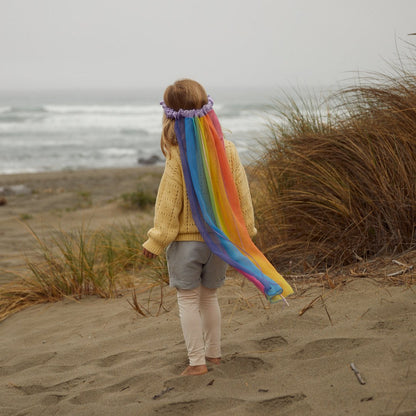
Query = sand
x=65 y=200
x=99 y=357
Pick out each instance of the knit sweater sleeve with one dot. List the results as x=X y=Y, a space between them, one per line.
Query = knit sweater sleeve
x=168 y=206
x=243 y=189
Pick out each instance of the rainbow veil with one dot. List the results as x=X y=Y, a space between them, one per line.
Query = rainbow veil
x=214 y=199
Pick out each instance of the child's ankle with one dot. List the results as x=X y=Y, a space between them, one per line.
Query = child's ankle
x=214 y=360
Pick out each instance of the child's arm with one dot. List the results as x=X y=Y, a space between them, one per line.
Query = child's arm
x=167 y=208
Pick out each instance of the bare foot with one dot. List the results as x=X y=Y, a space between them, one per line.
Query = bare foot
x=195 y=370
x=214 y=360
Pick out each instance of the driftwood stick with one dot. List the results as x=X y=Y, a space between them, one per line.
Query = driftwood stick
x=357 y=373
x=400 y=263
x=408 y=268
x=302 y=276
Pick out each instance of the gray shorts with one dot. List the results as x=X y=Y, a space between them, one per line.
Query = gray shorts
x=192 y=263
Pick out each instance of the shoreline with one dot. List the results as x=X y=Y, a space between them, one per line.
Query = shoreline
x=12 y=178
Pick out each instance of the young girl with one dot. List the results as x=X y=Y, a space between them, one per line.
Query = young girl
x=194 y=269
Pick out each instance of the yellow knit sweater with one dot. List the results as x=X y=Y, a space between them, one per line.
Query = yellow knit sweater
x=173 y=218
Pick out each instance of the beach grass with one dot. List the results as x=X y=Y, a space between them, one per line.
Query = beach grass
x=81 y=263
x=141 y=198
x=334 y=185
x=337 y=180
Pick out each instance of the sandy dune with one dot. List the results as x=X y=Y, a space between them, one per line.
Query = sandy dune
x=98 y=357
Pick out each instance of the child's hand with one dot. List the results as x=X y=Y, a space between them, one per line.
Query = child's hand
x=149 y=254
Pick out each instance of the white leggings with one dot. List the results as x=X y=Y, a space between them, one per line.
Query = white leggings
x=200 y=317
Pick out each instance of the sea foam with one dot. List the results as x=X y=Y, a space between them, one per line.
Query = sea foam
x=46 y=135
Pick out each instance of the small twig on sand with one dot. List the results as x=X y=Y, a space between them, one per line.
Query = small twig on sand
x=401 y=264
x=357 y=373
x=400 y=403
x=309 y=305
x=166 y=390
x=407 y=268
x=359 y=258
x=363 y=273
x=303 y=276
x=161 y=304
x=135 y=305
x=326 y=310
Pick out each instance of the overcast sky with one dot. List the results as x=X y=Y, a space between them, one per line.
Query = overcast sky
x=48 y=44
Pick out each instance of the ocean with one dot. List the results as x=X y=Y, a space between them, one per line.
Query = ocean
x=71 y=130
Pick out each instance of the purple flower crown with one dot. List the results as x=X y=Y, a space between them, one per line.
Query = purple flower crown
x=200 y=112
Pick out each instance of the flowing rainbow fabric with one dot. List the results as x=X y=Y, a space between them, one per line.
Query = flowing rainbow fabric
x=214 y=199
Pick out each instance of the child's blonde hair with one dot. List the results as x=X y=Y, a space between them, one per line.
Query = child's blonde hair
x=185 y=94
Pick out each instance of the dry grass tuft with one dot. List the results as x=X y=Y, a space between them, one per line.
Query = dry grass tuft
x=333 y=187
x=77 y=264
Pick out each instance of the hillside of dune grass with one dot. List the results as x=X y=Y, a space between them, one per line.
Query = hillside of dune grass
x=337 y=182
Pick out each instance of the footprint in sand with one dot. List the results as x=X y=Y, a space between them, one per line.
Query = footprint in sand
x=32 y=389
x=141 y=383
x=231 y=366
x=114 y=359
x=198 y=407
x=324 y=347
x=235 y=365
x=64 y=386
x=205 y=406
x=386 y=325
x=403 y=324
x=88 y=396
x=52 y=399
x=269 y=344
x=29 y=363
x=123 y=392
x=278 y=402
x=405 y=352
